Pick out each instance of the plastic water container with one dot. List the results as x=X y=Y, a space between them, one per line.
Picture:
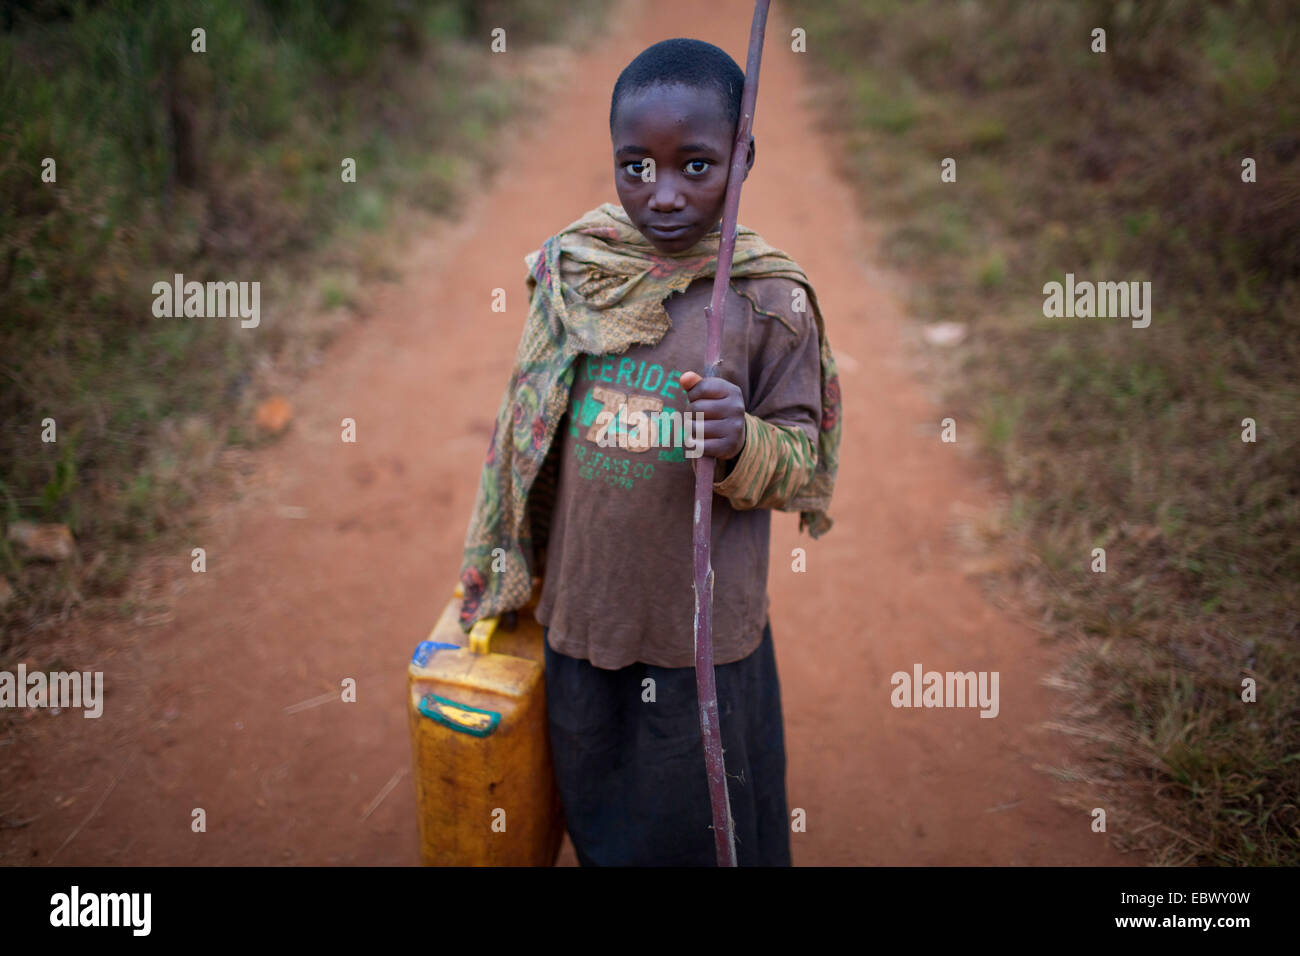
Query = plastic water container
x=484 y=784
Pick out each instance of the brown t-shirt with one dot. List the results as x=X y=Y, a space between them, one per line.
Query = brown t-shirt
x=619 y=579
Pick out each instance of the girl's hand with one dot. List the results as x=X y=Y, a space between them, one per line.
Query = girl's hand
x=723 y=409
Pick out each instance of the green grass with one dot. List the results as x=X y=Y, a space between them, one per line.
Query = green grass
x=1117 y=166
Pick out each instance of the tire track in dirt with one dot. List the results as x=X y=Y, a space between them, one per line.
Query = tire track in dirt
x=195 y=713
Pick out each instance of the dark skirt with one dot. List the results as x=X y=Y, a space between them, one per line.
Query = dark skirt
x=631 y=772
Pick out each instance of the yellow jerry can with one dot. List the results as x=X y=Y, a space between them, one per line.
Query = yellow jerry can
x=484 y=785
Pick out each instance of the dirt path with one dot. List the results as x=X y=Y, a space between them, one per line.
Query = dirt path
x=339 y=557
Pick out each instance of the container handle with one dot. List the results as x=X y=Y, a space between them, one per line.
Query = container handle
x=480 y=635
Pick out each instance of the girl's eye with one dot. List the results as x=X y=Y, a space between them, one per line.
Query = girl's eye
x=698 y=167
x=634 y=169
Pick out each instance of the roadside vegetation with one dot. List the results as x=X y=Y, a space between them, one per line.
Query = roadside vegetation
x=221 y=165
x=1125 y=165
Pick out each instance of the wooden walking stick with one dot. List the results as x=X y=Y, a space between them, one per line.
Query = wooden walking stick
x=724 y=832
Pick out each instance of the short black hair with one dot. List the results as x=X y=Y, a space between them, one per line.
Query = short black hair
x=684 y=62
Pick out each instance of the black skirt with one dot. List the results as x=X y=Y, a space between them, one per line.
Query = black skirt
x=631 y=771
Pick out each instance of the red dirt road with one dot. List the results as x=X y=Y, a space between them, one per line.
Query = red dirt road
x=338 y=558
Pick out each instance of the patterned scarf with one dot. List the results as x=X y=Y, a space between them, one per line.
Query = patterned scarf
x=598 y=288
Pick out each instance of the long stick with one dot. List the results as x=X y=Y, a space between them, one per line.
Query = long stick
x=724 y=831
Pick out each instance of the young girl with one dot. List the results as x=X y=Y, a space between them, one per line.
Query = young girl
x=589 y=479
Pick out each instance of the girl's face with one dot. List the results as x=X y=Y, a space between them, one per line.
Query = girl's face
x=685 y=132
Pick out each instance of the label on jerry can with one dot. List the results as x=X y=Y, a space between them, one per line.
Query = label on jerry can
x=458 y=716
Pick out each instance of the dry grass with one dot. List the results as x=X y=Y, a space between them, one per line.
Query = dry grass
x=1117 y=166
